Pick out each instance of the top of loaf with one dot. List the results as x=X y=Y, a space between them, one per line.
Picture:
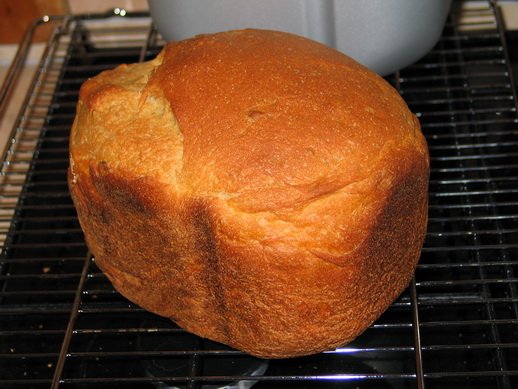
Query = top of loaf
x=264 y=120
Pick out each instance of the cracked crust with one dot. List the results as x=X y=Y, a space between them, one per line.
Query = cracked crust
x=257 y=188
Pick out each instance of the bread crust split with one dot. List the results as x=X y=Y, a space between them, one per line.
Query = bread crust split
x=257 y=188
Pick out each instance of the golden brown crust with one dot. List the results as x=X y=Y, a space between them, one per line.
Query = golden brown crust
x=257 y=188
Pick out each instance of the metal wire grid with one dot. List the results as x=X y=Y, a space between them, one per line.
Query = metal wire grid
x=63 y=325
x=466 y=279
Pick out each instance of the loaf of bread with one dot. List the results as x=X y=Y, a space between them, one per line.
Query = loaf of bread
x=257 y=188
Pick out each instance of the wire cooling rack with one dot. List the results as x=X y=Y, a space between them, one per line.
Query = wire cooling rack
x=63 y=325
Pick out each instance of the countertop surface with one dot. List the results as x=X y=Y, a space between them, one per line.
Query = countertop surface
x=7 y=53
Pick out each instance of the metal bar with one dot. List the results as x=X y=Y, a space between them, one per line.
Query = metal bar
x=452 y=64
x=264 y=379
x=415 y=308
x=501 y=32
x=417 y=336
x=74 y=313
x=438 y=265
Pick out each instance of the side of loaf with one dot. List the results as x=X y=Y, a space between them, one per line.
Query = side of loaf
x=257 y=188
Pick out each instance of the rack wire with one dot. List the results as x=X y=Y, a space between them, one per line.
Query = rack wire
x=63 y=325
